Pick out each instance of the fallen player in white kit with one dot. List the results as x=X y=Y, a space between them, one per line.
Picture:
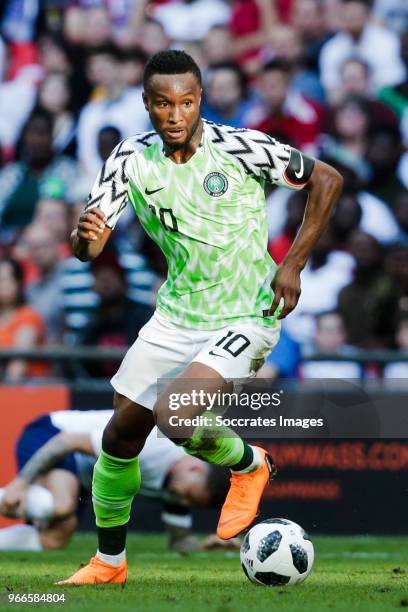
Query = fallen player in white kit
x=55 y=456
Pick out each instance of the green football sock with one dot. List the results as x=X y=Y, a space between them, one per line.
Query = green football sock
x=115 y=483
x=219 y=445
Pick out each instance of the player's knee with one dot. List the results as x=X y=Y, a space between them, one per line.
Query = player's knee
x=65 y=505
x=58 y=537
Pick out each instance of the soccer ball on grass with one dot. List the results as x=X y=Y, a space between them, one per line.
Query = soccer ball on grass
x=277 y=552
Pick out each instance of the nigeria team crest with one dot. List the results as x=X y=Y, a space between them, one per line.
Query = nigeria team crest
x=215 y=184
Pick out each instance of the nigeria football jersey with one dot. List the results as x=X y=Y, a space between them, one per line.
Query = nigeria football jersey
x=207 y=215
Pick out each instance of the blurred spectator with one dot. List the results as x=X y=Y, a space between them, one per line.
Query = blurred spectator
x=397 y=97
x=396 y=265
x=227 y=99
x=401 y=215
x=288 y=116
x=191 y=20
x=329 y=339
x=117 y=319
x=20 y=325
x=108 y=138
x=21 y=181
x=392 y=13
x=324 y=276
x=368 y=303
x=399 y=369
x=44 y=294
x=152 y=37
x=58 y=55
x=360 y=37
x=53 y=212
x=384 y=149
x=74 y=25
x=284 y=360
x=217 y=45
x=286 y=44
x=349 y=132
x=345 y=219
x=251 y=24
x=19 y=19
x=132 y=64
x=98 y=26
x=17 y=96
x=54 y=96
x=80 y=301
x=120 y=106
x=54 y=54
x=279 y=246
x=377 y=219
x=309 y=20
x=356 y=82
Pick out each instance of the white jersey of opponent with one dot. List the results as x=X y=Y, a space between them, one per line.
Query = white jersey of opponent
x=157 y=458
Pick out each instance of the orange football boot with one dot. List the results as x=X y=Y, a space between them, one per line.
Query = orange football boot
x=242 y=502
x=97 y=572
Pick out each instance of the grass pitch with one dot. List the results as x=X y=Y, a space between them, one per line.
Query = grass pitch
x=350 y=574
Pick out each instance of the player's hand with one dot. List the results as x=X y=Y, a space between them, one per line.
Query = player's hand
x=91 y=224
x=286 y=285
x=13 y=501
x=213 y=542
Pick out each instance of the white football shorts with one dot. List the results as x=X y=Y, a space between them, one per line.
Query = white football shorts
x=164 y=350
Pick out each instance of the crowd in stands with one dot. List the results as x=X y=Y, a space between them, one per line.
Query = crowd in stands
x=329 y=77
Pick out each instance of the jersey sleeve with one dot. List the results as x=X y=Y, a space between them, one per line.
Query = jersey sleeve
x=264 y=157
x=110 y=190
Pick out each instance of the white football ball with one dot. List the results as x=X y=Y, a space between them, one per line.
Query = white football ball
x=277 y=552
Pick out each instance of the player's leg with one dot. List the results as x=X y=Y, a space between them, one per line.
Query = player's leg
x=64 y=488
x=251 y=467
x=58 y=534
x=116 y=480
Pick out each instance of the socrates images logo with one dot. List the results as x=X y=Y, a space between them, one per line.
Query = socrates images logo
x=215 y=184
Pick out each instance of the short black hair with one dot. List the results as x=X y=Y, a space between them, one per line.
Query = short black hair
x=18 y=275
x=107 y=49
x=40 y=114
x=277 y=64
x=170 y=62
x=236 y=68
x=133 y=54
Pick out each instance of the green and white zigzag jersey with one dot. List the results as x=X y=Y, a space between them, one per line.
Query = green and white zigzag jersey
x=207 y=215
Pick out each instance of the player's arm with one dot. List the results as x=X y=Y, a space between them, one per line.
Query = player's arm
x=106 y=203
x=42 y=461
x=324 y=187
x=266 y=158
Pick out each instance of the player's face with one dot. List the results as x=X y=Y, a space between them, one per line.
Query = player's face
x=173 y=103
x=188 y=481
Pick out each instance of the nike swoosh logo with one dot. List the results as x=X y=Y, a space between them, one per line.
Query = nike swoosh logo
x=150 y=192
x=300 y=173
x=216 y=354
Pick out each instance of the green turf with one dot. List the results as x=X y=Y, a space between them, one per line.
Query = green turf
x=350 y=574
